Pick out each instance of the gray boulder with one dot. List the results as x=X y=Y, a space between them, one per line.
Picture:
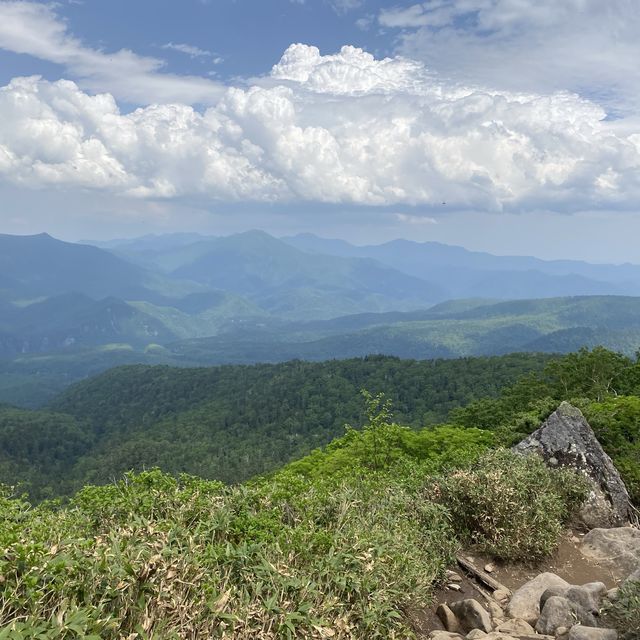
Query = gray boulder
x=589 y=596
x=618 y=548
x=525 y=602
x=561 y=612
x=471 y=615
x=567 y=440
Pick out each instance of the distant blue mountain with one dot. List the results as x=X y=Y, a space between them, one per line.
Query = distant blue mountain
x=463 y=273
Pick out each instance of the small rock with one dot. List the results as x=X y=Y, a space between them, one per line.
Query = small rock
x=561 y=612
x=525 y=602
x=613 y=594
x=561 y=632
x=501 y=596
x=445 y=635
x=489 y=568
x=476 y=634
x=471 y=615
x=448 y=618
x=452 y=576
x=454 y=586
x=578 y=632
x=495 y=611
x=516 y=626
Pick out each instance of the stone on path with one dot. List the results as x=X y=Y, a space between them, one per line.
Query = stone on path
x=589 y=596
x=448 y=618
x=445 y=635
x=579 y=632
x=476 y=634
x=471 y=615
x=525 y=602
x=561 y=612
x=516 y=626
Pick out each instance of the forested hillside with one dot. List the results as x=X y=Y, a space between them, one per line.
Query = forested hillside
x=235 y=422
x=68 y=311
x=354 y=536
x=449 y=330
x=229 y=422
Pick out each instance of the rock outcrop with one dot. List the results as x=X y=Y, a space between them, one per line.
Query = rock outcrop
x=618 y=547
x=567 y=440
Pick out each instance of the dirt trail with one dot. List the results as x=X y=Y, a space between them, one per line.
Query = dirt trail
x=567 y=562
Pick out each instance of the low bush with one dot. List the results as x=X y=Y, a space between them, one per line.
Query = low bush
x=153 y=556
x=623 y=614
x=511 y=506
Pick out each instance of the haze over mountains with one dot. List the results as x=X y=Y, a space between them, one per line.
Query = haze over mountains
x=68 y=310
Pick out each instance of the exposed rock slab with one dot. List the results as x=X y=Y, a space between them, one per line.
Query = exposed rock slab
x=567 y=440
x=619 y=547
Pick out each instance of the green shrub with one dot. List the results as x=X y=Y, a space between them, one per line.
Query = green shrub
x=511 y=506
x=616 y=422
x=623 y=614
x=162 y=557
x=383 y=446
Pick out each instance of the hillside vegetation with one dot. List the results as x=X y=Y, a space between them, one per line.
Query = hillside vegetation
x=227 y=423
x=346 y=542
x=352 y=552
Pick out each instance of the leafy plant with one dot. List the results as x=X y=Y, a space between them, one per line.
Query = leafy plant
x=623 y=613
x=511 y=506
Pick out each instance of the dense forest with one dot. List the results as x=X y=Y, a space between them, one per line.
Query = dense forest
x=229 y=422
x=232 y=423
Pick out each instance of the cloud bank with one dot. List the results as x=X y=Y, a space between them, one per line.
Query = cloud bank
x=342 y=129
x=545 y=45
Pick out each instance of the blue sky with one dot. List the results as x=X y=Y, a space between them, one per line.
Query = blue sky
x=248 y=36
x=350 y=118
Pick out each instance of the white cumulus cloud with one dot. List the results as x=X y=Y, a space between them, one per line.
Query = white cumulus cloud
x=345 y=128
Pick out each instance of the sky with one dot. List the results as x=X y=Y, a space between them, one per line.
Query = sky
x=511 y=126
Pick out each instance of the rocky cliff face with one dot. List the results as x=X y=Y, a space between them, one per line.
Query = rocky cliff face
x=567 y=440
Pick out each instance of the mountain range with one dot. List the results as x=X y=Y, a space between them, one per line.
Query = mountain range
x=68 y=310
